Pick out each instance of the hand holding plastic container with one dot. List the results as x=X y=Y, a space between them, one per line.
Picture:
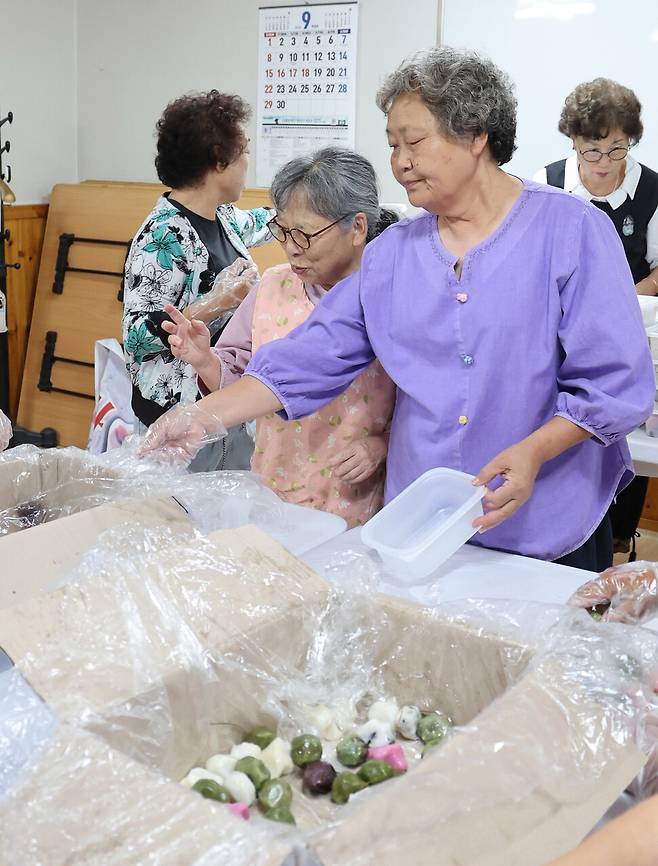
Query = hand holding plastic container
x=423 y=526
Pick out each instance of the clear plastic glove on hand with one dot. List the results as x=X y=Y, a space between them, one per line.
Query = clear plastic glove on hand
x=179 y=434
x=230 y=288
x=5 y=431
x=630 y=591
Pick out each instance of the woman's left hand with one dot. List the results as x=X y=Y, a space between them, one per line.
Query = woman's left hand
x=180 y=433
x=232 y=285
x=359 y=460
x=518 y=467
x=630 y=590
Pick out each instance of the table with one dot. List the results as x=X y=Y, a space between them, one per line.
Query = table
x=472 y=572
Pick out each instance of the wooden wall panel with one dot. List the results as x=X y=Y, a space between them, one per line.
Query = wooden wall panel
x=269 y=254
x=26 y=224
x=265 y=256
x=86 y=310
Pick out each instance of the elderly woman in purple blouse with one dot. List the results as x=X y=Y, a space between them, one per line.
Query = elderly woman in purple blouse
x=505 y=314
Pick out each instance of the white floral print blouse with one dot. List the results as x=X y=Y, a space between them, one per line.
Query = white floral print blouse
x=168 y=264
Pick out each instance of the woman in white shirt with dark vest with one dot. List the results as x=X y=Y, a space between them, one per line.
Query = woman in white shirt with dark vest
x=602 y=119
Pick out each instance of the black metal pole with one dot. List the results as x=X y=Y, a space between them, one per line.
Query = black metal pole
x=47 y=438
x=4 y=334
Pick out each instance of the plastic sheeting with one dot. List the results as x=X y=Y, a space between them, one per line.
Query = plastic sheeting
x=5 y=430
x=625 y=593
x=152 y=669
x=39 y=486
x=629 y=593
x=26 y=724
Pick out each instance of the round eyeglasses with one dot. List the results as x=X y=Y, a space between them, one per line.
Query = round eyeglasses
x=594 y=155
x=297 y=236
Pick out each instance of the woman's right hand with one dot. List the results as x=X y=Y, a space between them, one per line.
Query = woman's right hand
x=233 y=284
x=179 y=434
x=630 y=590
x=189 y=340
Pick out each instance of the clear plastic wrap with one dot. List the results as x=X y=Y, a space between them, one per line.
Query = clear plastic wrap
x=153 y=668
x=624 y=593
x=39 y=486
x=178 y=435
x=5 y=430
x=44 y=484
x=628 y=593
x=26 y=724
x=230 y=288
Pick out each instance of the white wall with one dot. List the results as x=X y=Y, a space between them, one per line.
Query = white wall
x=550 y=46
x=87 y=79
x=136 y=55
x=38 y=83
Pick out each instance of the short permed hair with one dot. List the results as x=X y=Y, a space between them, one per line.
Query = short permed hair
x=334 y=182
x=467 y=94
x=197 y=132
x=597 y=107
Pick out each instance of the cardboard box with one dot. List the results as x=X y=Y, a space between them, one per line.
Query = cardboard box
x=62 y=489
x=53 y=478
x=141 y=667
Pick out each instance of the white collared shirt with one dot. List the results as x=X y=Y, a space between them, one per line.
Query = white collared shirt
x=617 y=197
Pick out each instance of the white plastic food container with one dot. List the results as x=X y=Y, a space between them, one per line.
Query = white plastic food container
x=649 y=307
x=419 y=529
x=652 y=334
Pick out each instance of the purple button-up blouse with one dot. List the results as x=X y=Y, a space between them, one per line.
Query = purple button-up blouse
x=544 y=321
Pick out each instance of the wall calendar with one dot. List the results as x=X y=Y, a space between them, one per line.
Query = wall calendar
x=306 y=82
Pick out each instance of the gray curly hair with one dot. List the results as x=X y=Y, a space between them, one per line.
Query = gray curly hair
x=334 y=181
x=467 y=94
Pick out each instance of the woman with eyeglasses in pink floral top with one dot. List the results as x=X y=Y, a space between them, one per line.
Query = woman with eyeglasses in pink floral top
x=327 y=210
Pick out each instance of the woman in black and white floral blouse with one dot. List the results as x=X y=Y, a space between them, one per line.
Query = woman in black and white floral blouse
x=182 y=249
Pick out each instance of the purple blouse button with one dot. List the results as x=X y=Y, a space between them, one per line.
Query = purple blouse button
x=462 y=297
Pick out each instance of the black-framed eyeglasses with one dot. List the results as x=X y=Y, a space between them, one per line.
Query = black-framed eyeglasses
x=595 y=155
x=297 y=236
